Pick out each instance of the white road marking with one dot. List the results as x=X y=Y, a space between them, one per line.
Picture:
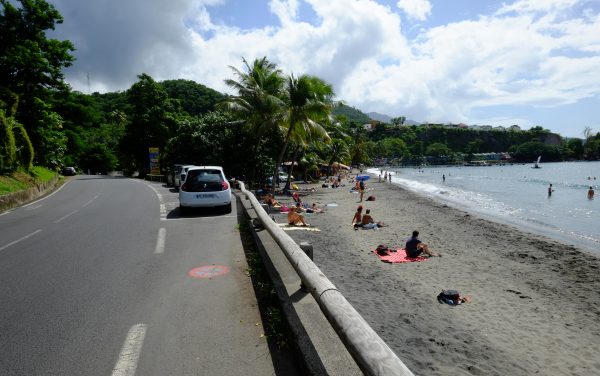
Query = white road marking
x=18 y=240
x=130 y=352
x=34 y=207
x=162 y=207
x=66 y=216
x=160 y=241
x=90 y=201
x=51 y=194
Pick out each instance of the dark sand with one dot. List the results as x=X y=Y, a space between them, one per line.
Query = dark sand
x=535 y=308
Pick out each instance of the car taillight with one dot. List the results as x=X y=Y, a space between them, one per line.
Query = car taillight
x=224 y=186
x=183 y=187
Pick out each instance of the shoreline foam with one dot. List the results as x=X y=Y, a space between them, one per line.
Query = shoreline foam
x=587 y=243
x=535 y=302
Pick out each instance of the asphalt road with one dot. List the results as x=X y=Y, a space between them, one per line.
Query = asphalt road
x=101 y=278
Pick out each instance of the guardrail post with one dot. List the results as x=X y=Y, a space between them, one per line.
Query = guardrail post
x=308 y=249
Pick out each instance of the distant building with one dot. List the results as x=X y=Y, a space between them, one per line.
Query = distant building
x=514 y=127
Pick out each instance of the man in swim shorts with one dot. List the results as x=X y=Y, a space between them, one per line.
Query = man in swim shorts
x=414 y=247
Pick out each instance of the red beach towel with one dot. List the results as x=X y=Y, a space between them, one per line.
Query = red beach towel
x=398 y=256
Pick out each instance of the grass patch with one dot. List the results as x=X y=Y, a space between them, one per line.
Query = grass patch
x=18 y=180
x=10 y=184
x=42 y=174
x=275 y=325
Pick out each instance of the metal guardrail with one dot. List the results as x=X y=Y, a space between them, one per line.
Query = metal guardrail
x=371 y=353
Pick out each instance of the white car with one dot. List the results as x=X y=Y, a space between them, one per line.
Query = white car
x=204 y=187
x=180 y=175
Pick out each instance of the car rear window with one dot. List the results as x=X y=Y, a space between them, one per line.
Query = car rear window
x=204 y=180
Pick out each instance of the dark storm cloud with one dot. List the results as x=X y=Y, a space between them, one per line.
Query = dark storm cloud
x=117 y=40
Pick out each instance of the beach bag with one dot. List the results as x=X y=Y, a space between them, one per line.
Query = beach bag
x=451 y=297
x=284 y=208
x=382 y=250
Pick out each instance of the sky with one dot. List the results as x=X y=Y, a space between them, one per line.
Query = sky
x=524 y=62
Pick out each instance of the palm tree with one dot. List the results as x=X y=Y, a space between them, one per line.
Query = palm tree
x=308 y=102
x=258 y=103
x=302 y=138
x=338 y=151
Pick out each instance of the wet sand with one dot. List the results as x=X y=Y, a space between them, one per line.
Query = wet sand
x=535 y=307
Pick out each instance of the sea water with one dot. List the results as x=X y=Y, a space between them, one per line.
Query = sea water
x=517 y=194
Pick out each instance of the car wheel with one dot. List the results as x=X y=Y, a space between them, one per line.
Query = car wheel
x=183 y=210
x=227 y=208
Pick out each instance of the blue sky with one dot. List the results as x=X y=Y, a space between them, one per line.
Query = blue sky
x=525 y=62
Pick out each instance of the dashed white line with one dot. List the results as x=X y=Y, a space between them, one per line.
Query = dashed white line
x=163 y=209
x=34 y=207
x=130 y=352
x=18 y=240
x=160 y=241
x=90 y=201
x=66 y=216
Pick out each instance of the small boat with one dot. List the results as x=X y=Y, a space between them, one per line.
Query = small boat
x=537 y=163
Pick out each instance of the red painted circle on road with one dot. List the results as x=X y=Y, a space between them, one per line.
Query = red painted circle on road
x=208 y=271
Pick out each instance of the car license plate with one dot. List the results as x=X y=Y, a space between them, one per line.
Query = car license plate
x=205 y=195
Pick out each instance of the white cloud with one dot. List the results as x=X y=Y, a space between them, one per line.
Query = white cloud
x=417 y=9
x=286 y=10
x=533 y=6
x=538 y=53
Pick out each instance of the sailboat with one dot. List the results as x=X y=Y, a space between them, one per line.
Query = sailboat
x=537 y=163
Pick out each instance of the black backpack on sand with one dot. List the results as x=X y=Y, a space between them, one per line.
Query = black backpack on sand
x=382 y=250
x=451 y=297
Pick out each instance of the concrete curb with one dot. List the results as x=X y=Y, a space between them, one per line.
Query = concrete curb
x=318 y=348
x=12 y=200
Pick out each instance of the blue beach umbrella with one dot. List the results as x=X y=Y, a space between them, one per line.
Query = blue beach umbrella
x=363 y=177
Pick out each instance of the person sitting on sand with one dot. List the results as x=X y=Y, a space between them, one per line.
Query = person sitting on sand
x=414 y=247
x=271 y=201
x=294 y=217
x=368 y=222
x=357 y=220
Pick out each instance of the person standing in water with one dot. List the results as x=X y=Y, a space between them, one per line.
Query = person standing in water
x=443 y=178
x=591 y=193
x=550 y=190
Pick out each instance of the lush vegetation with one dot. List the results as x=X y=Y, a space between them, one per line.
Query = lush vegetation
x=18 y=181
x=271 y=118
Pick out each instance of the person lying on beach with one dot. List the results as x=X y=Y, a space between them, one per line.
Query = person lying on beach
x=357 y=219
x=314 y=209
x=414 y=247
x=294 y=217
x=368 y=222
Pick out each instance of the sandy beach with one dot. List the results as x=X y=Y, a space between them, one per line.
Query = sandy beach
x=535 y=302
